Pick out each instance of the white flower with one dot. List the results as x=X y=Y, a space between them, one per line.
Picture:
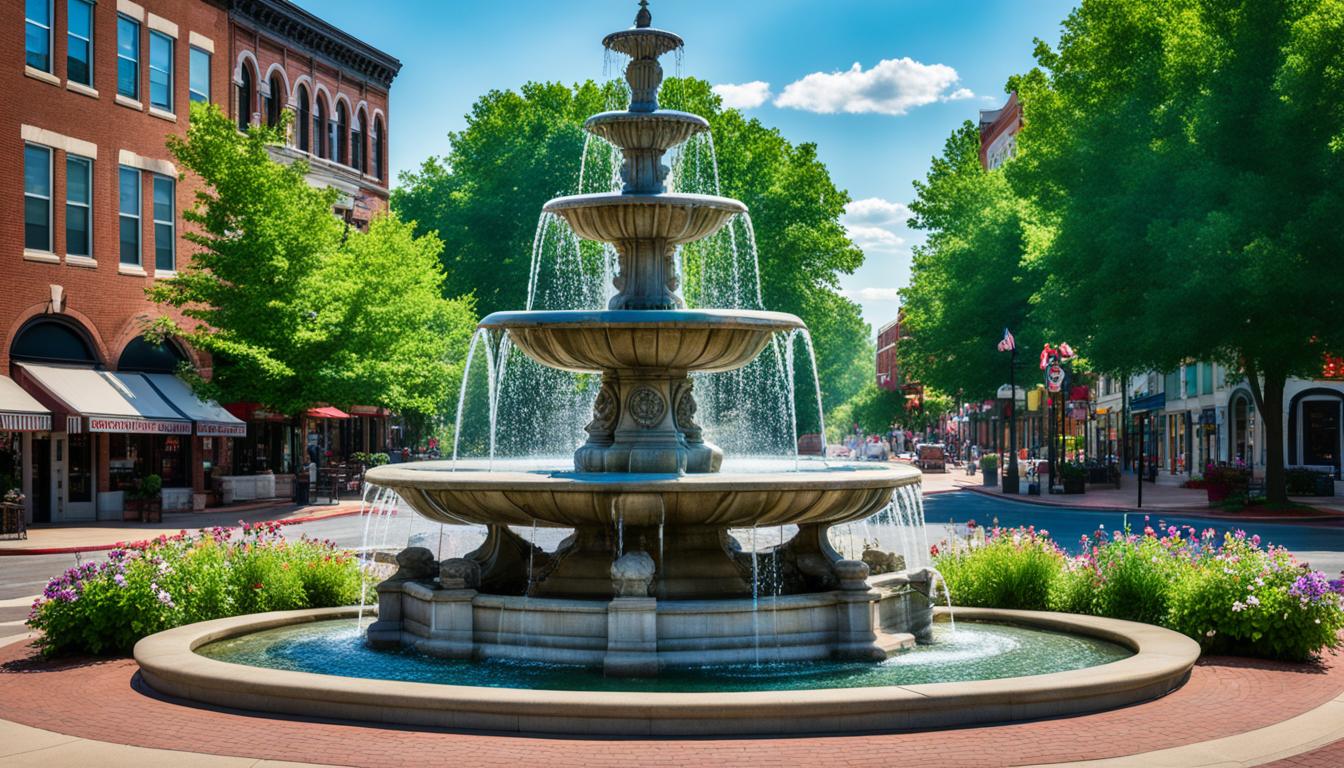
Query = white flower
x=1238 y=607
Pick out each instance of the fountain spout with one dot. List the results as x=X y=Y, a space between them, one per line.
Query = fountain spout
x=643 y=19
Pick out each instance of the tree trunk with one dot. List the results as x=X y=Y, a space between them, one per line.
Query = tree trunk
x=1269 y=401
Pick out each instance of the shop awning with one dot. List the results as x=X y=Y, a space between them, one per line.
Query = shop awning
x=1149 y=403
x=19 y=412
x=102 y=401
x=327 y=412
x=211 y=419
x=253 y=412
x=369 y=410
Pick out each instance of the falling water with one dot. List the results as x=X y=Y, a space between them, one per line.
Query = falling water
x=755 y=598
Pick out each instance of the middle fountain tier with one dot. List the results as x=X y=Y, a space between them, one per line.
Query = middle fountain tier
x=651 y=574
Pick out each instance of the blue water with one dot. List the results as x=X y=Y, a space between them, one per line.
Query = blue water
x=1068 y=524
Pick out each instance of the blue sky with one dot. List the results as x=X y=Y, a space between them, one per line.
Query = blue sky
x=923 y=66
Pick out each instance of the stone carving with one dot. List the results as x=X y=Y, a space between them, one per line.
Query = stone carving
x=883 y=562
x=460 y=573
x=646 y=407
x=631 y=575
x=685 y=413
x=606 y=410
x=853 y=574
x=414 y=564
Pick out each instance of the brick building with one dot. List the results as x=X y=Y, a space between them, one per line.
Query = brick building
x=88 y=95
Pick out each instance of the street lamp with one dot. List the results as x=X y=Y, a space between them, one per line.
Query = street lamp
x=1010 y=476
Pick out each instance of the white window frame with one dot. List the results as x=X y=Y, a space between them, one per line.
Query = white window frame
x=138 y=60
x=191 y=70
x=69 y=33
x=86 y=205
x=139 y=217
x=51 y=235
x=170 y=222
x=172 y=44
x=51 y=42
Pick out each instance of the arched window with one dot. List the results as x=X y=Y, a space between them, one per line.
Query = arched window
x=275 y=102
x=357 y=153
x=379 y=151
x=246 y=97
x=302 y=128
x=141 y=355
x=54 y=341
x=320 y=127
x=342 y=125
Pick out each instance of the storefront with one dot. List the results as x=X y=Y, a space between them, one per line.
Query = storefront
x=22 y=419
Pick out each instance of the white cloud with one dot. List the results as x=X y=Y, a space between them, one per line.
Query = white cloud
x=891 y=87
x=874 y=240
x=959 y=94
x=877 y=211
x=743 y=95
x=871 y=294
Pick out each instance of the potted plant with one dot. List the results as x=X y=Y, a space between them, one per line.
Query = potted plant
x=148 y=492
x=1073 y=476
x=989 y=469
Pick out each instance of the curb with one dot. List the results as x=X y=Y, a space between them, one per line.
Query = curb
x=1182 y=511
x=17 y=552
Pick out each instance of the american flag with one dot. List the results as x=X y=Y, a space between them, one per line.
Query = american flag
x=1008 y=344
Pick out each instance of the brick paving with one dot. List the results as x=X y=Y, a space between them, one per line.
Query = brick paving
x=103 y=700
x=1329 y=756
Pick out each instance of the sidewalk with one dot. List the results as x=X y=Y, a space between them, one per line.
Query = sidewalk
x=92 y=537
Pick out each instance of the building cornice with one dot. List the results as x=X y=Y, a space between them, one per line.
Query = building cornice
x=290 y=22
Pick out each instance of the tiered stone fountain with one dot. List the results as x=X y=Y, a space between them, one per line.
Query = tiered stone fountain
x=651 y=575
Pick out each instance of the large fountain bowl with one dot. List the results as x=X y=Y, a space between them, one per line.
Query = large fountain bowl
x=661 y=130
x=588 y=341
x=456 y=493
x=613 y=217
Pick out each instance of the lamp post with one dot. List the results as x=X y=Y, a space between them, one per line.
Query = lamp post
x=1010 y=477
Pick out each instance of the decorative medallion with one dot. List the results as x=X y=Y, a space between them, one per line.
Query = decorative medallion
x=605 y=409
x=646 y=407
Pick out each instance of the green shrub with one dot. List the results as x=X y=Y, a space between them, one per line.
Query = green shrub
x=1014 y=569
x=989 y=463
x=1233 y=597
x=105 y=607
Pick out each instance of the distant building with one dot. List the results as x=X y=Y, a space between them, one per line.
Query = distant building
x=888 y=367
x=998 y=132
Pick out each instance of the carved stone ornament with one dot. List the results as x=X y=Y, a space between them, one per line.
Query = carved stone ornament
x=605 y=410
x=685 y=411
x=646 y=407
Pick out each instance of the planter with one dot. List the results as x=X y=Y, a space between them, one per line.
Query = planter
x=131 y=509
x=1075 y=485
x=990 y=477
x=152 y=511
x=1325 y=485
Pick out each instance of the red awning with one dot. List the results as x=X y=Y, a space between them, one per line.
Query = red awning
x=252 y=412
x=327 y=412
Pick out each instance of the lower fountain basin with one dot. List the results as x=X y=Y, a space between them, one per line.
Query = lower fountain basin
x=589 y=341
x=722 y=702
x=469 y=492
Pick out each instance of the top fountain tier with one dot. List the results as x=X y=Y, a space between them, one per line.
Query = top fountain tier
x=643 y=44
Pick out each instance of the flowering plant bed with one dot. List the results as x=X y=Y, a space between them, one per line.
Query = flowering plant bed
x=104 y=607
x=1233 y=596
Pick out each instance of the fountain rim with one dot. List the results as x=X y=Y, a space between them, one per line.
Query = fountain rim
x=1161 y=663
x=676 y=319
x=672 y=37
x=668 y=199
x=657 y=116
x=446 y=475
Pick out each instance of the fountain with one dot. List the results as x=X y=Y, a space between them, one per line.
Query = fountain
x=651 y=618
x=651 y=563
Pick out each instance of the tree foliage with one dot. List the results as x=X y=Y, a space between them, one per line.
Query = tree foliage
x=520 y=148
x=296 y=308
x=971 y=278
x=1189 y=157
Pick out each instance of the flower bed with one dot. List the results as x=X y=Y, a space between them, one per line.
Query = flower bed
x=104 y=607
x=1233 y=596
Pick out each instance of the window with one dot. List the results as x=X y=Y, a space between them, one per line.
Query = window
x=79 y=42
x=161 y=71
x=245 y=99
x=357 y=143
x=320 y=129
x=78 y=205
x=378 y=148
x=1206 y=378
x=1192 y=380
x=342 y=123
x=129 y=188
x=164 y=226
x=37 y=34
x=273 y=102
x=36 y=198
x=198 y=85
x=302 y=124
x=128 y=57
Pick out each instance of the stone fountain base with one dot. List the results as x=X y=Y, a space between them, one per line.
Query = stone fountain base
x=635 y=635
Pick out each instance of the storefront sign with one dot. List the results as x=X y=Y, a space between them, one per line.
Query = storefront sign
x=218 y=429
x=1054 y=377
x=139 y=426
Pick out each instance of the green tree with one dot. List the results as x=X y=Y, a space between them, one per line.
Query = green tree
x=520 y=149
x=296 y=308
x=971 y=277
x=1189 y=155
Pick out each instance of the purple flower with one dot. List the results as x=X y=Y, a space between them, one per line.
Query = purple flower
x=1310 y=587
x=120 y=580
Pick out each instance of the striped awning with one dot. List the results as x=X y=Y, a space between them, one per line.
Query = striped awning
x=19 y=412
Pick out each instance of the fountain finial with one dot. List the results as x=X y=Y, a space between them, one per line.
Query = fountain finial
x=643 y=19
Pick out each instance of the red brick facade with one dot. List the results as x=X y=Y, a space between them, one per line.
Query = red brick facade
x=888 y=366
x=45 y=107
